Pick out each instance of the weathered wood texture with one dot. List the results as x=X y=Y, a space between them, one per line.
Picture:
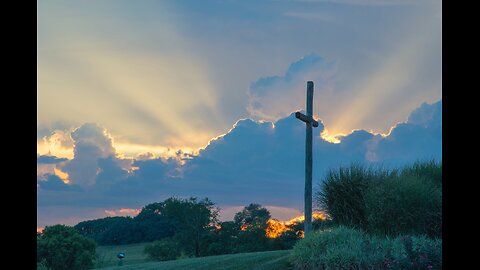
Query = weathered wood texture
x=309 y=122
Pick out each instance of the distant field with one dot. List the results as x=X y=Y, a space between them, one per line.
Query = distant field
x=135 y=259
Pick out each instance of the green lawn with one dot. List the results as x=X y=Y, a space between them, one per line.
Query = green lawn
x=135 y=259
x=107 y=255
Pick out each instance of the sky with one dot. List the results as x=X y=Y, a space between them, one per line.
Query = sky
x=141 y=101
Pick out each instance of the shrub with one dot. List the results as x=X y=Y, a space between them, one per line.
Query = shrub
x=412 y=252
x=163 y=250
x=342 y=193
x=431 y=171
x=386 y=202
x=407 y=204
x=345 y=248
x=61 y=247
x=338 y=248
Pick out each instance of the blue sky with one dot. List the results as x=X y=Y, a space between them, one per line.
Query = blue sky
x=139 y=101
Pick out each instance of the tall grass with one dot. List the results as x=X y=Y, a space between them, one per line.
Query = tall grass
x=386 y=202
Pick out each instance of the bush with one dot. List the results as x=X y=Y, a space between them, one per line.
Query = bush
x=163 y=250
x=346 y=248
x=337 y=248
x=431 y=171
x=386 y=202
x=61 y=247
x=409 y=252
x=407 y=204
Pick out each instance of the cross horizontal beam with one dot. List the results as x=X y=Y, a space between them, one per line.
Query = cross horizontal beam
x=306 y=119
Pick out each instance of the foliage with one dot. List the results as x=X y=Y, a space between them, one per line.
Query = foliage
x=194 y=219
x=154 y=226
x=223 y=240
x=61 y=247
x=348 y=248
x=338 y=248
x=386 y=202
x=252 y=223
x=414 y=252
x=430 y=170
x=342 y=193
x=42 y=265
x=145 y=227
x=404 y=205
x=163 y=250
x=253 y=215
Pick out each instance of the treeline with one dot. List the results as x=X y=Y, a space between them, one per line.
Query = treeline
x=191 y=227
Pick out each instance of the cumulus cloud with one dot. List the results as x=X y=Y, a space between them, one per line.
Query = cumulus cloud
x=420 y=137
x=273 y=97
x=256 y=161
x=91 y=143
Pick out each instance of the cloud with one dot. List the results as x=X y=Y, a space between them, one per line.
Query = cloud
x=420 y=137
x=49 y=159
x=276 y=96
x=256 y=161
x=122 y=212
x=55 y=183
x=426 y=114
x=91 y=143
x=57 y=142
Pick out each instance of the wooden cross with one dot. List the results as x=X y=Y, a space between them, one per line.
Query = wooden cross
x=309 y=121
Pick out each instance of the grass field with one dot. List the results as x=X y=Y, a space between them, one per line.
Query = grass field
x=135 y=259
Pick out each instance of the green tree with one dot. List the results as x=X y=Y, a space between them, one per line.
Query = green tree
x=253 y=215
x=61 y=247
x=252 y=222
x=194 y=220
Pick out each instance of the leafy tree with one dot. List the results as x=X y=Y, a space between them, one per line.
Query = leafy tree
x=110 y=230
x=253 y=215
x=252 y=222
x=223 y=239
x=194 y=219
x=145 y=227
x=61 y=247
x=153 y=225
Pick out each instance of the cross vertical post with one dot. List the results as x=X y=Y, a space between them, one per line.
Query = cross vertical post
x=309 y=121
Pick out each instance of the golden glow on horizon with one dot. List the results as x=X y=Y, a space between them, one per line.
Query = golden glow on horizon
x=122 y=212
x=276 y=228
